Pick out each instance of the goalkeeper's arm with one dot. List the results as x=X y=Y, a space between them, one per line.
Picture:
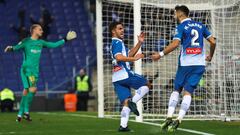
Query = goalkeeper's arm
x=19 y=46
x=70 y=36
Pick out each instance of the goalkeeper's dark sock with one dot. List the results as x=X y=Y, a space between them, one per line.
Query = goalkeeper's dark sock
x=29 y=100
x=22 y=106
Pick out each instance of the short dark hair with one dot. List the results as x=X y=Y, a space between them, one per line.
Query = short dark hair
x=183 y=9
x=113 y=25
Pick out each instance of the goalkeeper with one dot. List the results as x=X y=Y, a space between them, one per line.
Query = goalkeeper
x=32 y=48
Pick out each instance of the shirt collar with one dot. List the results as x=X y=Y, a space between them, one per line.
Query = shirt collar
x=186 y=19
x=114 y=38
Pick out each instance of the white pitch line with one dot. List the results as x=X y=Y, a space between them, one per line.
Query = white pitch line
x=148 y=123
x=182 y=129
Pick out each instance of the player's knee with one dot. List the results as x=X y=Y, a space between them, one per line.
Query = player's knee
x=33 y=89
x=125 y=102
x=186 y=93
x=25 y=92
x=149 y=85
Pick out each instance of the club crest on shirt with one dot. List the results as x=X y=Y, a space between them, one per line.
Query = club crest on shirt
x=116 y=68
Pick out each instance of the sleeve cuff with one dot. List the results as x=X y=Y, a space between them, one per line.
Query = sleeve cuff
x=116 y=54
x=65 y=39
x=161 y=54
x=208 y=36
x=177 y=38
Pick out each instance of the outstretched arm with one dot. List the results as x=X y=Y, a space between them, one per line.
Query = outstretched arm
x=135 y=49
x=53 y=44
x=70 y=36
x=171 y=47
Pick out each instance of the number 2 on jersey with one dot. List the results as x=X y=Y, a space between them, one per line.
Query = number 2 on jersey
x=195 y=35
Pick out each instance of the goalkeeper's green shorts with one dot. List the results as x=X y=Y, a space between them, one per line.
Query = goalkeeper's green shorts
x=29 y=79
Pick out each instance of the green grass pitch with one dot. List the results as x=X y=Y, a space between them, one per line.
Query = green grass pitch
x=61 y=123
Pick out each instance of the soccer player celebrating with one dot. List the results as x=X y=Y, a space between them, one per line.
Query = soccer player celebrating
x=32 y=48
x=123 y=77
x=191 y=63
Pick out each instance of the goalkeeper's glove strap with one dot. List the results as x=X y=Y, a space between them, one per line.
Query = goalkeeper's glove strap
x=10 y=49
x=65 y=39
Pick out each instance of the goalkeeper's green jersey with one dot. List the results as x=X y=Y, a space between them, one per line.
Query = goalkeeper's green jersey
x=32 y=51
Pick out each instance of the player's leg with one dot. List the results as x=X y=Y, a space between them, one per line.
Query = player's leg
x=32 y=80
x=173 y=100
x=191 y=82
x=22 y=105
x=124 y=117
x=124 y=95
x=141 y=85
x=186 y=101
x=24 y=96
x=28 y=103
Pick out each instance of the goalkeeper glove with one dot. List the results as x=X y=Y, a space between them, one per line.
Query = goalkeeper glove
x=8 y=49
x=71 y=35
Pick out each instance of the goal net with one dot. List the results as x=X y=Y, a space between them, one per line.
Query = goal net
x=218 y=93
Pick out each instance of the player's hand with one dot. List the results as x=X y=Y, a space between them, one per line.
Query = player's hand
x=71 y=35
x=156 y=56
x=141 y=37
x=208 y=58
x=138 y=56
x=8 y=49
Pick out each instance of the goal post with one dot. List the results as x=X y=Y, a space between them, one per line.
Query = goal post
x=218 y=94
x=137 y=64
x=100 y=74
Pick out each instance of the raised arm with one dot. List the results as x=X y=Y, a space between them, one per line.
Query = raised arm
x=135 y=49
x=117 y=53
x=171 y=47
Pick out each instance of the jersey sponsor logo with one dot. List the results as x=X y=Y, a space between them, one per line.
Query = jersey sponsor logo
x=193 y=51
x=116 y=68
x=35 y=51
